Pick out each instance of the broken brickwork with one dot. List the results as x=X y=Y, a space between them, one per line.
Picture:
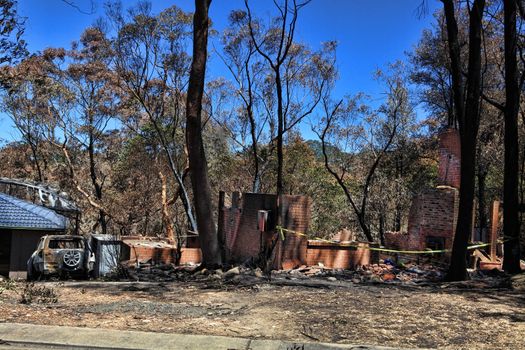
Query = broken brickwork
x=449 y=170
x=137 y=249
x=336 y=255
x=294 y=214
x=239 y=224
x=432 y=219
x=433 y=214
x=242 y=238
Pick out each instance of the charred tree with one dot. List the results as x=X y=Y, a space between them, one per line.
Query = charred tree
x=211 y=251
x=285 y=42
x=511 y=260
x=467 y=110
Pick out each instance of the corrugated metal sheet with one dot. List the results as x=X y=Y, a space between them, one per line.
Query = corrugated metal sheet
x=19 y=214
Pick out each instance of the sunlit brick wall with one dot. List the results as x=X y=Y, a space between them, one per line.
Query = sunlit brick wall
x=433 y=213
x=449 y=171
x=294 y=214
x=337 y=256
x=246 y=244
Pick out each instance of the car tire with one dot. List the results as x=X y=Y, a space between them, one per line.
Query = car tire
x=32 y=275
x=30 y=272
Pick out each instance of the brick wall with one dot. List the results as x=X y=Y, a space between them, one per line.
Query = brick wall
x=147 y=252
x=294 y=214
x=241 y=234
x=337 y=256
x=449 y=171
x=230 y=224
x=242 y=239
x=191 y=255
x=433 y=213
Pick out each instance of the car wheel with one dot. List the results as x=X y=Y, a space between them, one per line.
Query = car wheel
x=33 y=275
x=72 y=258
x=30 y=271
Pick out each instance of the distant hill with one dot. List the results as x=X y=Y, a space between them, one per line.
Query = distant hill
x=317 y=148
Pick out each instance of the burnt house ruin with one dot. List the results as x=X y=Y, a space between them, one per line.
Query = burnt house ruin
x=433 y=214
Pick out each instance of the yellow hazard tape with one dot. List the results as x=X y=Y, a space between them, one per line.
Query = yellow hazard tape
x=281 y=233
x=282 y=230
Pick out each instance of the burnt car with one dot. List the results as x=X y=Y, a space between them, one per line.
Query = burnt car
x=61 y=255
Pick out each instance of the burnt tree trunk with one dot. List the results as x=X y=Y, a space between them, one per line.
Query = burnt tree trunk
x=102 y=220
x=511 y=260
x=211 y=252
x=280 y=128
x=482 y=199
x=34 y=152
x=283 y=49
x=399 y=175
x=166 y=218
x=467 y=114
x=256 y=184
x=360 y=214
x=382 y=228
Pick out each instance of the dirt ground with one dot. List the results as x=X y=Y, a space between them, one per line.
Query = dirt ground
x=476 y=315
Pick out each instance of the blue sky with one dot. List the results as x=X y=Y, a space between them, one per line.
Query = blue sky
x=370 y=33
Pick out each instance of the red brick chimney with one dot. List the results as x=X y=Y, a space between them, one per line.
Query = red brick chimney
x=449 y=172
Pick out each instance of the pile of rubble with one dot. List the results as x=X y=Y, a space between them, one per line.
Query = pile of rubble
x=169 y=272
x=405 y=274
x=375 y=273
x=385 y=272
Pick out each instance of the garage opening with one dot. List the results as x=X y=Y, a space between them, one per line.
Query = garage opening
x=5 y=248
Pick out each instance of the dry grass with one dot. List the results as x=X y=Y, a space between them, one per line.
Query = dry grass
x=455 y=316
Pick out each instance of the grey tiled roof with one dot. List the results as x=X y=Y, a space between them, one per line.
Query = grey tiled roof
x=19 y=214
